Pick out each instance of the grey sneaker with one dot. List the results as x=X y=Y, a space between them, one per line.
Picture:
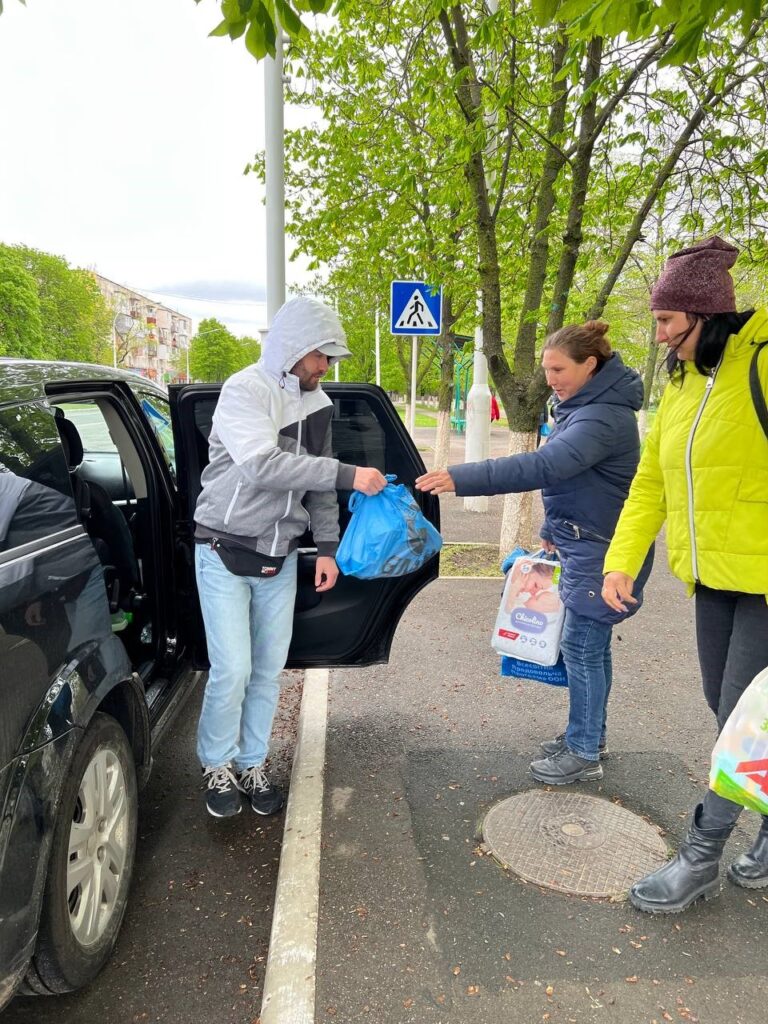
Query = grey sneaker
x=222 y=798
x=264 y=796
x=558 y=743
x=565 y=767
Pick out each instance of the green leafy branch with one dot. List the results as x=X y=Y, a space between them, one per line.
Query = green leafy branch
x=258 y=21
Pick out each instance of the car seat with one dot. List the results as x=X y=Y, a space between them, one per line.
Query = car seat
x=105 y=524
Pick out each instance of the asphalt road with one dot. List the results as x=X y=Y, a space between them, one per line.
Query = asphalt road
x=418 y=925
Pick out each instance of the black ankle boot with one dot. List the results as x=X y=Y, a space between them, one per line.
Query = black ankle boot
x=692 y=873
x=750 y=870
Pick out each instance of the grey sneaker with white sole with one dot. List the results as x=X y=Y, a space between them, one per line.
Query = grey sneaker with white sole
x=558 y=743
x=222 y=798
x=565 y=767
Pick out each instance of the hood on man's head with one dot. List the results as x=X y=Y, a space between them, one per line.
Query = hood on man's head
x=301 y=326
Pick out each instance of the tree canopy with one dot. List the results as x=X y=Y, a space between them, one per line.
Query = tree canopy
x=215 y=353
x=21 y=328
x=494 y=155
x=686 y=21
x=50 y=310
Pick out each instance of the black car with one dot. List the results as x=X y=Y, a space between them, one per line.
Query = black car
x=101 y=638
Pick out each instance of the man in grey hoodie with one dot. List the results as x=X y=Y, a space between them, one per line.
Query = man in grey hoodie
x=271 y=473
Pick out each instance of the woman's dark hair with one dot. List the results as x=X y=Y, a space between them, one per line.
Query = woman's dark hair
x=716 y=329
x=580 y=341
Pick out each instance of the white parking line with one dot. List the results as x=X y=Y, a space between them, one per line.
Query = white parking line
x=289 y=984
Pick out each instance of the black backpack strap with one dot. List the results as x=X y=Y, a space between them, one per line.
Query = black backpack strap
x=758 y=397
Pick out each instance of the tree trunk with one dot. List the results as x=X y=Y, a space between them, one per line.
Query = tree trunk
x=517 y=517
x=649 y=377
x=581 y=167
x=470 y=100
x=649 y=373
x=445 y=390
x=442 y=440
x=525 y=344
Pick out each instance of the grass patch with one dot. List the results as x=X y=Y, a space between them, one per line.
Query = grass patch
x=428 y=418
x=470 y=560
x=421 y=419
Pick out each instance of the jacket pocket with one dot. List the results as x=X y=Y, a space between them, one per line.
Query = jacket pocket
x=233 y=502
x=753 y=485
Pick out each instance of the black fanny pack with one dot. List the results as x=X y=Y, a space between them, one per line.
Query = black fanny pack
x=243 y=561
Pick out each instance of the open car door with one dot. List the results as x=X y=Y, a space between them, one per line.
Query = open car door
x=354 y=623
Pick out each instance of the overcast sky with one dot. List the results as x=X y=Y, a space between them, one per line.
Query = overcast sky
x=124 y=131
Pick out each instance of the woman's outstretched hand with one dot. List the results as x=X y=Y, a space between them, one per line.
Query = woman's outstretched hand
x=439 y=481
x=617 y=589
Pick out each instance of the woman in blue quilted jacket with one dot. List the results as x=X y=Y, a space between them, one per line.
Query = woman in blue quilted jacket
x=584 y=472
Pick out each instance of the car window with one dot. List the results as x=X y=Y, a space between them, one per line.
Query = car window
x=91 y=426
x=35 y=493
x=359 y=437
x=158 y=414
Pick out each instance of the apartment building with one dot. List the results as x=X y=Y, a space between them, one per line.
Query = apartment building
x=147 y=338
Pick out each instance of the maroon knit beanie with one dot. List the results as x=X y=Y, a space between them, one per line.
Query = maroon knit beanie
x=696 y=280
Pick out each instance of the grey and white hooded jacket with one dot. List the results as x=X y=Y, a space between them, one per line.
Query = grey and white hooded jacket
x=271 y=473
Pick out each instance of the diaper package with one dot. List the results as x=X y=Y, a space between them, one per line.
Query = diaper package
x=740 y=758
x=531 y=614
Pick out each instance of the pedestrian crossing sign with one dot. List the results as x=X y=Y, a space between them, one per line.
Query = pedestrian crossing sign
x=415 y=308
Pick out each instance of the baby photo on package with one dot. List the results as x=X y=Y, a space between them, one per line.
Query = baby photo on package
x=530 y=617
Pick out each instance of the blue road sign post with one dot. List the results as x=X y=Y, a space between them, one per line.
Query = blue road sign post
x=415 y=309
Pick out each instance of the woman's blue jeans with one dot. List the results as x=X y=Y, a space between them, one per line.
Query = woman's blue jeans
x=586 y=647
x=248 y=625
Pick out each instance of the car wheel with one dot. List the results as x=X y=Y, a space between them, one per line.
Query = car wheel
x=91 y=862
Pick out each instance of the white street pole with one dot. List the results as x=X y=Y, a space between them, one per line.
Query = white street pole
x=414 y=367
x=336 y=365
x=274 y=179
x=478 y=441
x=378 y=349
x=186 y=350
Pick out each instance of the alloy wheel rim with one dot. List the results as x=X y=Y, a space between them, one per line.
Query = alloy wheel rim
x=98 y=847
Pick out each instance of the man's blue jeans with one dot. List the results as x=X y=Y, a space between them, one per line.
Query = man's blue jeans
x=248 y=626
x=586 y=647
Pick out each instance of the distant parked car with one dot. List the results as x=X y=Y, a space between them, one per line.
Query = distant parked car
x=101 y=638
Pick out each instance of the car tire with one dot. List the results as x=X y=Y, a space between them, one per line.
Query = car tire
x=91 y=863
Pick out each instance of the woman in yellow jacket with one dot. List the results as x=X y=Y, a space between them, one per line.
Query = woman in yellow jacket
x=704 y=472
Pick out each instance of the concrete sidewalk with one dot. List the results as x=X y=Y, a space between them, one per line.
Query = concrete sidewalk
x=416 y=925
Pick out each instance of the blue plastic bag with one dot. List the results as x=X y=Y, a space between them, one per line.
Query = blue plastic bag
x=509 y=561
x=388 y=535
x=554 y=675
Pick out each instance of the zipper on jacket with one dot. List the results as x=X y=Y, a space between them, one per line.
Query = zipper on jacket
x=689 y=469
x=231 y=506
x=583 y=531
x=273 y=549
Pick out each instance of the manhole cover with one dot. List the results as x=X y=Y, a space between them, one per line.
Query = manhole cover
x=573 y=843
